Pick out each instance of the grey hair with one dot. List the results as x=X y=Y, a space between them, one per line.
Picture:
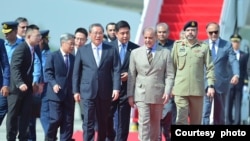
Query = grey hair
x=65 y=37
x=152 y=29
x=163 y=25
x=21 y=19
x=95 y=25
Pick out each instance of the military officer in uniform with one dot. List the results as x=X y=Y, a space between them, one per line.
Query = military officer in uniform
x=190 y=56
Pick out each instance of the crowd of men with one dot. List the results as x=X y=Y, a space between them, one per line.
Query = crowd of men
x=169 y=82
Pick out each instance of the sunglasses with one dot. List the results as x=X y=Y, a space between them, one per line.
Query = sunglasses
x=23 y=27
x=215 y=32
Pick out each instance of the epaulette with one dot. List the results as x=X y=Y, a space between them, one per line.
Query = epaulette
x=182 y=42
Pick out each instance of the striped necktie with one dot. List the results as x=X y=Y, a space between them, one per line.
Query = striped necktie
x=150 y=55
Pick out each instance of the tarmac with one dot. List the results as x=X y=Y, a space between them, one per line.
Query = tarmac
x=39 y=130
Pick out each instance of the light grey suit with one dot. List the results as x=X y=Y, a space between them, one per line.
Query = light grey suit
x=225 y=56
x=147 y=84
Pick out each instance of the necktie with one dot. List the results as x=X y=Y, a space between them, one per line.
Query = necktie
x=66 y=61
x=97 y=56
x=122 y=53
x=150 y=55
x=213 y=51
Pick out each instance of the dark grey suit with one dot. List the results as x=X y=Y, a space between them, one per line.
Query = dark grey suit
x=225 y=56
x=235 y=93
x=121 y=105
x=19 y=103
x=95 y=84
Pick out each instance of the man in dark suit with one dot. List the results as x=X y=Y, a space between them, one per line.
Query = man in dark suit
x=233 y=99
x=222 y=55
x=20 y=97
x=58 y=71
x=111 y=33
x=169 y=109
x=4 y=80
x=121 y=106
x=96 y=81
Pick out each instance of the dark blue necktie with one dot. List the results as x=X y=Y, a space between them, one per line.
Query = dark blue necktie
x=66 y=61
x=213 y=50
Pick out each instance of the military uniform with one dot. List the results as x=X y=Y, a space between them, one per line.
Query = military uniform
x=189 y=62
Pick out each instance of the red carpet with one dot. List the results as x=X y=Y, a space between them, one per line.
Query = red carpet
x=177 y=12
x=133 y=136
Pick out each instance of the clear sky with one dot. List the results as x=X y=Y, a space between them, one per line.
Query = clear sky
x=61 y=16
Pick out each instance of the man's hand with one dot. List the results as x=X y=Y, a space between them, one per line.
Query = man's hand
x=210 y=93
x=115 y=95
x=131 y=101
x=40 y=88
x=56 y=88
x=166 y=97
x=124 y=76
x=234 y=80
x=5 y=91
x=77 y=97
x=23 y=87
x=35 y=88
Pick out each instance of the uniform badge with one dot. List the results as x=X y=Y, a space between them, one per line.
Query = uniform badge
x=182 y=49
x=5 y=26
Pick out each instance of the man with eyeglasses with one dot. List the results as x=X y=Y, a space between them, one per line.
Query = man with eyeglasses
x=37 y=71
x=222 y=54
x=189 y=56
x=21 y=27
x=20 y=97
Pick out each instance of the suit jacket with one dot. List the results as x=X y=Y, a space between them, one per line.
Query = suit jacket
x=130 y=47
x=21 y=68
x=89 y=79
x=147 y=82
x=225 y=55
x=243 y=69
x=4 y=66
x=56 y=73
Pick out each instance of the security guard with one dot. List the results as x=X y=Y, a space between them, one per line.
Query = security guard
x=234 y=96
x=190 y=56
x=9 y=29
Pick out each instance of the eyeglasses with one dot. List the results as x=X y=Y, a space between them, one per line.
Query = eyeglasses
x=97 y=33
x=23 y=27
x=215 y=32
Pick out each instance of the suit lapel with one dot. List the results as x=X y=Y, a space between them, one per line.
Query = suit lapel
x=219 y=51
x=61 y=58
x=104 y=54
x=157 y=55
x=91 y=53
x=128 y=51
